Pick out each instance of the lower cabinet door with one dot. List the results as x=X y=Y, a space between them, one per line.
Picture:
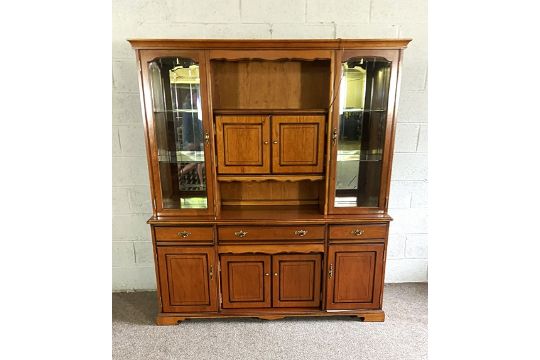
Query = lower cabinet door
x=187 y=279
x=245 y=281
x=296 y=280
x=355 y=276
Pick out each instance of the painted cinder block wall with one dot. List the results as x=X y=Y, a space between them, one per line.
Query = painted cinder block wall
x=264 y=19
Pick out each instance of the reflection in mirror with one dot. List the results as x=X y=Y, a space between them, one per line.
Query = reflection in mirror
x=362 y=118
x=176 y=101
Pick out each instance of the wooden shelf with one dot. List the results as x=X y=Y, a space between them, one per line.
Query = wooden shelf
x=268 y=111
x=259 y=178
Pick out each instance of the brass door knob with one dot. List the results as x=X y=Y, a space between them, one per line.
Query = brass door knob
x=274 y=142
x=275 y=274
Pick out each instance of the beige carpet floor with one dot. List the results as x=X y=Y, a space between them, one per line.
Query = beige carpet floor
x=402 y=336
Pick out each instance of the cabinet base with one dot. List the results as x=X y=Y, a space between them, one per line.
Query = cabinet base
x=362 y=315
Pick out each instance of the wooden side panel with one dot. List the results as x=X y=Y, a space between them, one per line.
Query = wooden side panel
x=245 y=281
x=296 y=280
x=298 y=144
x=355 y=275
x=187 y=279
x=243 y=144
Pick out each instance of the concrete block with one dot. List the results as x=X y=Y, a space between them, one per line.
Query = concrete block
x=130 y=170
x=419 y=197
x=413 y=107
x=131 y=227
x=302 y=31
x=126 y=109
x=144 y=253
x=139 y=11
x=409 y=166
x=366 y=31
x=337 y=11
x=409 y=221
x=396 y=246
x=131 y=138
x=133 y=278
x=415 y=57
x=423 y=139
x=139 y=200
x=402 y=194
x=116 y=148
x=276 y=11
x=120 y=201
x=401 y=11
x=406 y=137
x=123 y=254
x=406 y=270
x=125 y=76
x=207 y=11
x=416 y=246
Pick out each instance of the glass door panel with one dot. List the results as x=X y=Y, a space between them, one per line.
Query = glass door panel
x=363 y=112
x=178 y=121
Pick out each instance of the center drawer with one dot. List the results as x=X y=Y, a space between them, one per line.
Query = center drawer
x=246 y=233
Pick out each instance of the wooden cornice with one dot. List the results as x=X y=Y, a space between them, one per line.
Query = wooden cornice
x=332 y=44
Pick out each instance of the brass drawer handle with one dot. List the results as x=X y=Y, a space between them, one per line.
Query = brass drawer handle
x=184 y=234
x=240 y=233
x=300 y=232
x=357 y=232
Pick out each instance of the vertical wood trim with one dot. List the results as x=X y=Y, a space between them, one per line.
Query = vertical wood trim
x=147 y=143
x=211 y=132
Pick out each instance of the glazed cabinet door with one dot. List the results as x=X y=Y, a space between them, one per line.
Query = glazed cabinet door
x=245 y=281
x=298 y=144
x=243 y=144
x=297 y=280
x=187 y=279
x=362 y=131
x=355 y=276
x=178 y=131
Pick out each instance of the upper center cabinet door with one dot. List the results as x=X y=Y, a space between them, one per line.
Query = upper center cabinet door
x=297 y=144
x=243 y=144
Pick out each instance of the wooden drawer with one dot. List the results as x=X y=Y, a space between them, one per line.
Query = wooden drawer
x=358 y=231
x=184 y=233
x=247 y=233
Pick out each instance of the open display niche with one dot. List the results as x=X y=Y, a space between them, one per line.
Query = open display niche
x=269 y=163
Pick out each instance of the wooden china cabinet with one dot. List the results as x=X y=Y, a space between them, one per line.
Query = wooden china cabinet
x=269 y=166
